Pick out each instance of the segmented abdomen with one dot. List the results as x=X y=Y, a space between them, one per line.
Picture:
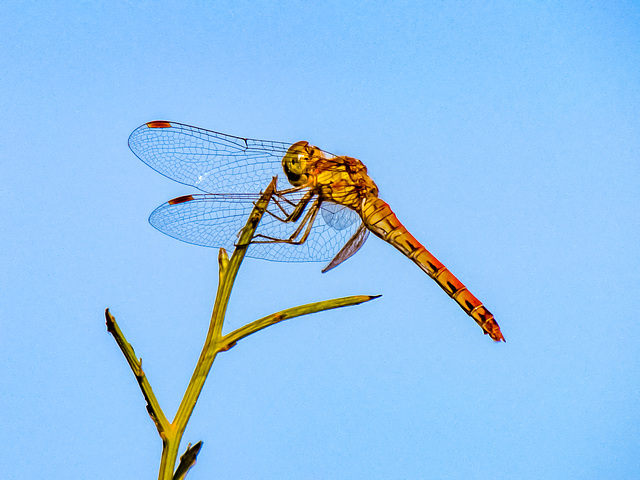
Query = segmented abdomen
x=380 y=219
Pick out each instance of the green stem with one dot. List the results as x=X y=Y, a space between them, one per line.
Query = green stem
x=171 y=433
x=230 y=339
x=153 y=406
x=228 y=272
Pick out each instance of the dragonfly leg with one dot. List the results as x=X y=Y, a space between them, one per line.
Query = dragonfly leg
x=277 y=200
x=307 y=221
x=297 y=210
x=281 y=196
x=285 y=213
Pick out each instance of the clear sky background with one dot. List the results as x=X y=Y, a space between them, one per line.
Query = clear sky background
x=506 y=137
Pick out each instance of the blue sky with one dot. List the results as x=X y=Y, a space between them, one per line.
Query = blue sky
x=506 y=137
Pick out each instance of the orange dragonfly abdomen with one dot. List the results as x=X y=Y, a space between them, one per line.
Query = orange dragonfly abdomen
x=380 y=219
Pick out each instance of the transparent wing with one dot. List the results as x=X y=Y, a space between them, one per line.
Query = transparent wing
x=207 y=160
x=214 y=220
x=350 y=248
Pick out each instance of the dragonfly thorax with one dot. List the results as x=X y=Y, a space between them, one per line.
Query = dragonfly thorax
x=342 y=180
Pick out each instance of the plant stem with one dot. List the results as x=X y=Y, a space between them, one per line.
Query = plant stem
x=230 y=339
x=153 y=406
x=171 y=433
x=228 y=271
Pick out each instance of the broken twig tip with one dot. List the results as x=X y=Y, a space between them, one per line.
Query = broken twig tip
x=110 y=321
x=223 y=258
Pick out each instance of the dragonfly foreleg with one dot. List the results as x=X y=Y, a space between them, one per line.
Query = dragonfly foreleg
x=306 y=224
x=298 y=208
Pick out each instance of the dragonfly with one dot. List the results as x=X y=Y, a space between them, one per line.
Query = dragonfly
x=323 y=209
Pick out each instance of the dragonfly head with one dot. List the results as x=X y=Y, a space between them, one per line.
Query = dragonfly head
x=295 y=163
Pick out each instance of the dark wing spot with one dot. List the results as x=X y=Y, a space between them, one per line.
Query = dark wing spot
x=159 y=124
x=185 y=198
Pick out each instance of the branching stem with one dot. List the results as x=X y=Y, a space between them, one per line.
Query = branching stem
x=171 y=433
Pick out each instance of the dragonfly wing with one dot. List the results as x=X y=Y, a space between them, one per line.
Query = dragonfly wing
x=207 y=160
x=214 y=220
x=350 y=248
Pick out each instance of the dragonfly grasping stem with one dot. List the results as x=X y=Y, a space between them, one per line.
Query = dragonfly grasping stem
x=228 y=271
x=171 y=433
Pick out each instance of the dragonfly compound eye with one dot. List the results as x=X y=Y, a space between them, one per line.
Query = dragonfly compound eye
x=294 y=163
